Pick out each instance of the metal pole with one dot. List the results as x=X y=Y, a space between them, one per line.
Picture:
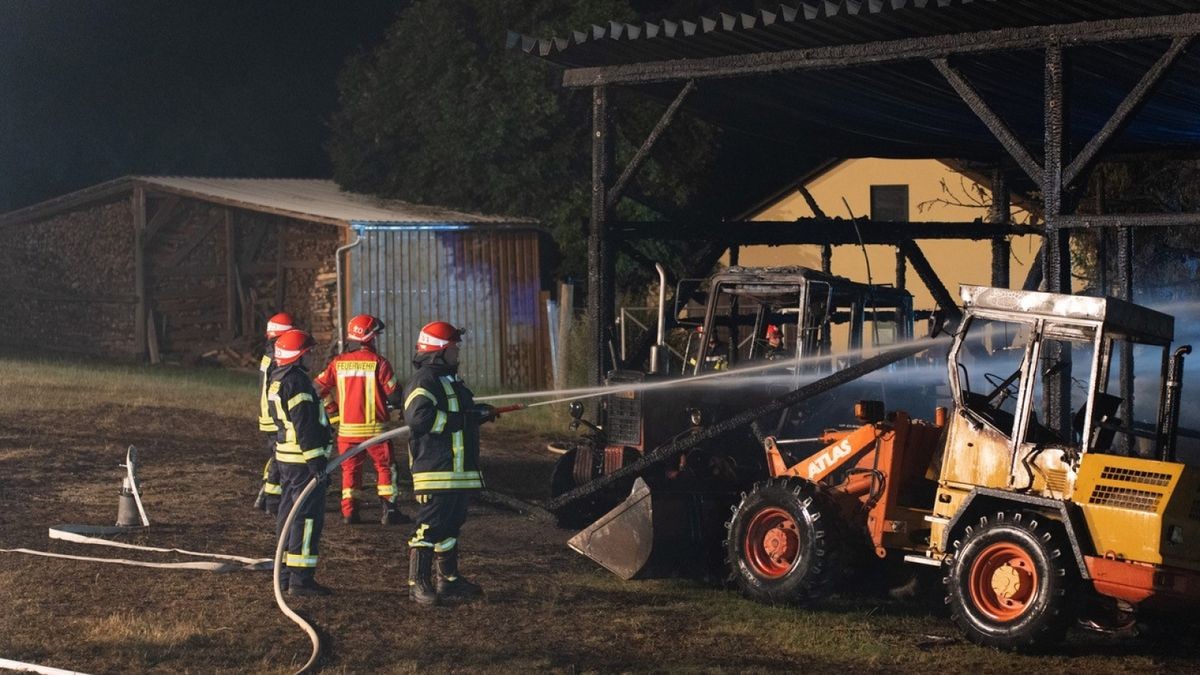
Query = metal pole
x=341 y=309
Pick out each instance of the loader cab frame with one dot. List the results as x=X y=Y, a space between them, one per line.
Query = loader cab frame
x=1006 y=345
x=820 y=316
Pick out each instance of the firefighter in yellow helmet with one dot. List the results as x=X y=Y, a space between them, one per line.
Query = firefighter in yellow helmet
x=444 y=456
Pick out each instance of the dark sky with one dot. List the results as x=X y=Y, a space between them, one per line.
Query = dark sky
x=94 y=90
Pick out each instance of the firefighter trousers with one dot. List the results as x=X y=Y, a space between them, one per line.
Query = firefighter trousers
x=440 y=517
x=271 y=488
x=385 y=471
x=301 y=542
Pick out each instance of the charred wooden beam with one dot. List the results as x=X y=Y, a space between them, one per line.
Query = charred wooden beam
x=687 y=442
x=1056 y=267
x=231 y=280
x=1129 y=220
x=831 y=231
x=618 y=188
x=990 y=119
x=1132 y=103
x=600 y=282
x=1125 y=292
x=930 y=278
x=851 y=55
x=1000 y=212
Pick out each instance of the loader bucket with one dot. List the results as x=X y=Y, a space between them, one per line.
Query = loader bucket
x=641 y=535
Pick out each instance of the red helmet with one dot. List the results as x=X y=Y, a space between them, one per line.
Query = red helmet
x=773 y=331
x=291 y=346
x=363 y=328
x=279 y=324
x=437 y=336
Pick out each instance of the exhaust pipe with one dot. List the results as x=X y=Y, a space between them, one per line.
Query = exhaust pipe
x=1168 y=425
x=656 y=350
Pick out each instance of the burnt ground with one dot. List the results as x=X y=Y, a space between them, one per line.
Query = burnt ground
x=546 y=609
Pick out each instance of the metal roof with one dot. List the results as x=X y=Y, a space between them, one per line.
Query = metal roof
x=1118 y=316
x=787 y=121
x=304 y=199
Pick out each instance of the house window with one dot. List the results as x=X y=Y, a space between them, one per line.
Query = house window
x=889 y=203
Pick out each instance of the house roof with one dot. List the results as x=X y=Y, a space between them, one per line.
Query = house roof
x=856 y=78
x=312 y=200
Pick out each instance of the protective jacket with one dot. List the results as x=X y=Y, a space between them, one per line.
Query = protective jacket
x=444 y=445
x=266 y=423
x=304 y=435
x=362 y=384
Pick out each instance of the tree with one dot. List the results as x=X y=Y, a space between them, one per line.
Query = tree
x=442 y=114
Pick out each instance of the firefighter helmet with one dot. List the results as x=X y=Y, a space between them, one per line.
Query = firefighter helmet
x=363 y=328
x=291 y=346
x=279 y=324
x=773 y=331
x=437 y=336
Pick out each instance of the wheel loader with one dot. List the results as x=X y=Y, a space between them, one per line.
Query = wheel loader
x=1034 y=518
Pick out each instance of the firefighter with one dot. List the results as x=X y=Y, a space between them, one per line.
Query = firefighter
x=444 y=456
x=360 y=385
x=268 y=494
x=775 y=349
x=302 y=450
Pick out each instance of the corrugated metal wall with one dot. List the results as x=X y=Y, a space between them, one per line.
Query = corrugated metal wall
x=484 y=278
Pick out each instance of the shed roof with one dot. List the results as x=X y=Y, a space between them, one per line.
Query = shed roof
x=304 y=199
x=858 y=81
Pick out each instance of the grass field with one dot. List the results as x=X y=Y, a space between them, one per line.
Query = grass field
x=64 y=426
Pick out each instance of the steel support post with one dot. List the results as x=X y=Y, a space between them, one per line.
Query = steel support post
x=1056 y=264
x=600 y=253
x=1000 y=212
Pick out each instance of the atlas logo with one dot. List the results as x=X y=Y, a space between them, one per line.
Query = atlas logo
x=829 y=457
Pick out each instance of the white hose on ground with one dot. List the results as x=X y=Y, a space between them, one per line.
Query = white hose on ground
x=287 y=524
x=20 y=666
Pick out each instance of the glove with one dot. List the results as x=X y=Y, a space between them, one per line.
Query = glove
x=316 y=468
x=486 y=413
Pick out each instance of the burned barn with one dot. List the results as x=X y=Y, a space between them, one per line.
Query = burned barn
x=187 y=269
x=1033 y=94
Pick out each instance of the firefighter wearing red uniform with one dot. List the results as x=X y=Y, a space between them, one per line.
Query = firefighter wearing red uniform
x=444 y=456
x=302 y=450
x=269 y=494
x=360 y=385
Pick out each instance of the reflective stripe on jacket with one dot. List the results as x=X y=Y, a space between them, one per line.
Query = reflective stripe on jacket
x=265 y=422
x=304 y=433
x=444 y=445
x=360 y=382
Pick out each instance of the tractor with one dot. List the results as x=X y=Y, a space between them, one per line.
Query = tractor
x=1033 y=523
x=817 y=318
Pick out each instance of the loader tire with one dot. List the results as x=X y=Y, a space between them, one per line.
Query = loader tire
x=784 y=543
x=1010 y=582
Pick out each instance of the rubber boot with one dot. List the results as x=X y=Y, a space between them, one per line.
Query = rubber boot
x=390 y=513
x=301 y=583
x=420 y=576
x=450 y=583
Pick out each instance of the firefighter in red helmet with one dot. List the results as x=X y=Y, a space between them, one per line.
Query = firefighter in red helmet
x=361 y=385
x=302 y=450
x=444 y=455
x=268 y=494
x=774 y=349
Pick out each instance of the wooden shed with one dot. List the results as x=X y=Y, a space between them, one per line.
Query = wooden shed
x=182 y=268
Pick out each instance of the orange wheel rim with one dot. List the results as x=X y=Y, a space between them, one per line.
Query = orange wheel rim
x=1003 y=581
x=772 y=543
